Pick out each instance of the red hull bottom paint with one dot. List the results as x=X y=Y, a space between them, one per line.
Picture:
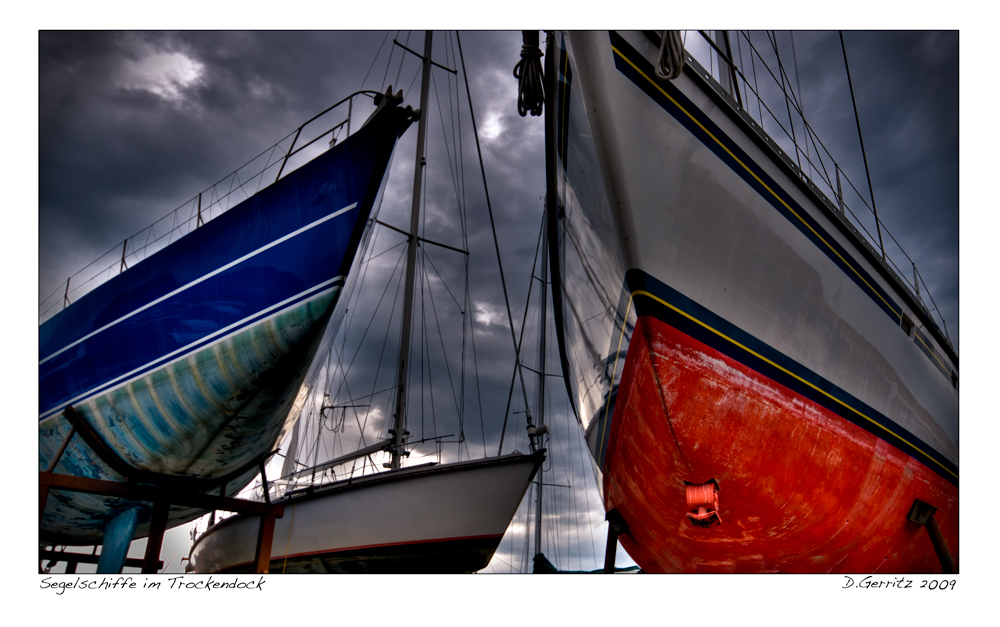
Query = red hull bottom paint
x=802 y=490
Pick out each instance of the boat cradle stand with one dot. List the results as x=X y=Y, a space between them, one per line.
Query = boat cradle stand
x=616 y=527
x=160 y=490
x=922 y=514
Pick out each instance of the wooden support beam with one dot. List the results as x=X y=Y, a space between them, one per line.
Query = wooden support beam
x=616 y=527
x=96 y=443
x=154 y=541
x=62 y=448
x=152 y=494
x=610 y=550
x=107 y=454
x=72 y=559
x=265 y=536
x=263 y=482
x=43 y=496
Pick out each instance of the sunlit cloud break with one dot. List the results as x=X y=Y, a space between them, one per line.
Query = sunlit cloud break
x=492 y=127
x=487 y=314
x=164 y=74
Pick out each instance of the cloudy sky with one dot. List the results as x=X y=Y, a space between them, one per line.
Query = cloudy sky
x=144 y=121
x=132 y=125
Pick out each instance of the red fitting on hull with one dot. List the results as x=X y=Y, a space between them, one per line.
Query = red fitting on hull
x=703 y=503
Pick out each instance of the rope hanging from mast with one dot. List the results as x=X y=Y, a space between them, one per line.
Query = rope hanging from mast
x=528 y=72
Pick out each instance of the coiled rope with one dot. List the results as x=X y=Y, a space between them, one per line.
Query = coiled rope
x=528 y=72
x=670 y=60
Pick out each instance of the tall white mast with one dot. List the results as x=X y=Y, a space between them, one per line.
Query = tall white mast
x=398 y=434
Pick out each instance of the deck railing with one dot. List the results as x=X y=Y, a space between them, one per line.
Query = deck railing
x=767 y=96
x=261 y=171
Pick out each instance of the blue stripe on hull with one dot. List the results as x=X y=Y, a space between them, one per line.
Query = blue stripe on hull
x=271 y=274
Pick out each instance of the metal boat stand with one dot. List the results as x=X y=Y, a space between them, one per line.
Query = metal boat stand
x=616 y=527
x=923 y=514
x=160 y=490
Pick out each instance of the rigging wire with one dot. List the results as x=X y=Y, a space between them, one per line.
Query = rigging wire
x=427 y=345
x=444 y=353
x=463 y=222
x=811 y=134
x=756 y=86
x=357 y=286
x=416 y=73
x=372 y=320
x=861 y=137
x=771 y=37
x=426 y=266
x=381 y=358
x=496 y=241
x=423 y=329
x=389 y=62
x=801 y=103
x=374 y=60
x=475 y=364
x=517 y=364
x=573 y=504
x=448 y=148
x=441 y=278
x=402 y=57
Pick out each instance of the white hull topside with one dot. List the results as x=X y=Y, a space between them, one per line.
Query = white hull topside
x=375 y=522
x=690 y=220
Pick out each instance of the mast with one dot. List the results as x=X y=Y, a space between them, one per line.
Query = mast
x=398 y=433
x=541 y=380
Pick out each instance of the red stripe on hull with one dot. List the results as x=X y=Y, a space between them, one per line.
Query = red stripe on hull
x=801 y=489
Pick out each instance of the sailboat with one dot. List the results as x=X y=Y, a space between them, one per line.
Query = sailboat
x=425 y=518
x=762 y=388
x=182 y=370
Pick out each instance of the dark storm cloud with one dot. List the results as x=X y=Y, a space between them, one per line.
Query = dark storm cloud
x=912 y=104
x=118 y=149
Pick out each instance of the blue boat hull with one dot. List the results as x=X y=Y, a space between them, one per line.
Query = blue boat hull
x=188 y=364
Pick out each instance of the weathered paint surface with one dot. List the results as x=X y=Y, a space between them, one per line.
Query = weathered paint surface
x=203 y=416
x=801 y=489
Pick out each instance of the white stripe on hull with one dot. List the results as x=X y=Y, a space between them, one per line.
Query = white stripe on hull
x=201 y=279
